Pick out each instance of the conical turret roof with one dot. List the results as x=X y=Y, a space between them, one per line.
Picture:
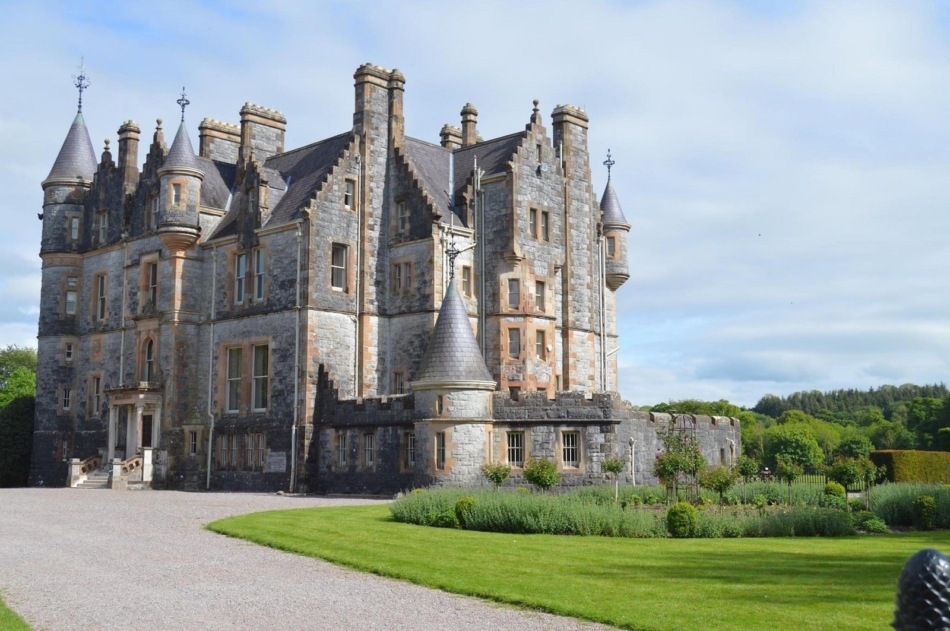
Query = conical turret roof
x=182 y=154
x=610 y=206
x=76 y=158
x=453 y=356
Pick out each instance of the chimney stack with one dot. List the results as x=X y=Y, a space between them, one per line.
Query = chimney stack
x=469 y=119
x=397 y=122
x=129 y=155
x=451 y=137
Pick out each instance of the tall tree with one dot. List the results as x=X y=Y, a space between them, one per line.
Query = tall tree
x=13 y=357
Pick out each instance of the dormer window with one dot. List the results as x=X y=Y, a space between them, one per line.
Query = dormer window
x=402 y=215
x=103 y=228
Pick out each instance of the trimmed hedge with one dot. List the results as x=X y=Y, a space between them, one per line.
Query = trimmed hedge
x=930 y=467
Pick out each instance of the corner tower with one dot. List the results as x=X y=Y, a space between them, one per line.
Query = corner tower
x=616 y=232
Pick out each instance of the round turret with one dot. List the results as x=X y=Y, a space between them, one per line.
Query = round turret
x=180 y=194
x=616 y=233
x=64 y=190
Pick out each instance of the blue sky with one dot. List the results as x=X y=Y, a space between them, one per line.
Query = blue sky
x=784 y=166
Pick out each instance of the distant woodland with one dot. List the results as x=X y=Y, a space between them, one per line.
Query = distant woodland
x=840 y=422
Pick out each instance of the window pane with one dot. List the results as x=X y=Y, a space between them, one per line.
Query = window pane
x=70 y=303
x=534 y=223
x=240 y=271
x=545 y=221
x=516 y=449
x=259 y=262
x=338 y=267
x=234 y=379
x=261 y=358
x=514 y=293
x=570 y=452
x=539 y=295
x=539 y=344
x=611 y=246
x=514 y=342
x=440 y=450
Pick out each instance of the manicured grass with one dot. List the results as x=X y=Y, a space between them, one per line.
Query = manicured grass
x=9 y=621
x=775 y=584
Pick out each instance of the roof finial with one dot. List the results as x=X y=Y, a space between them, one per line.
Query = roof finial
x=183 y=102
x=81 y=81
x=609 y=163
x=452 y=252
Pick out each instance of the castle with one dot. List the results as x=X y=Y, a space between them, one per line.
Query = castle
x=367 y=313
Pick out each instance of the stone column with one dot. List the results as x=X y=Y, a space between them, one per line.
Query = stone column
x=113 y=427
x=128 y=432
x=156 y=425
x=135 y=438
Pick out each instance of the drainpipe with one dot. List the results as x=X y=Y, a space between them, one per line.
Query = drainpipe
x=357 y=365
x=125 y=283
x=293 y=429
x=603 y=318
x=214 y=280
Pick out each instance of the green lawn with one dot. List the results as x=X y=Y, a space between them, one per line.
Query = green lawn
x=651 y=584
x=9 y=621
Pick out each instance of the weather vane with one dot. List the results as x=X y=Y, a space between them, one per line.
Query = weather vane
x=183 y=102
x=609 y=163
x=452 y=252
x=81 y=81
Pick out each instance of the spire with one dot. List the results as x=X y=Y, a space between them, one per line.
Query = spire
x=77 y=158
x=609 y=203
x=452 y=357
x=182 y=154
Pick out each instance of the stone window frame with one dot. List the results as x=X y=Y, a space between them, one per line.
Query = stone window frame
x=409 y=450
x=73 y=228
x=266 y=378
x=540 y=297
x=545 y=226
x=402 y=276
x=182 y=202
x=467 y=284
x=238 y=381
x=94 y=399
x=146 y=263
x=540 y=344
x=508 y=293
x=146 y=371
x=563 y=449
x=224 y=459
x=255 y=451
x=192 y=440
x=239 y=286
x=402 y=216
x=151 y=213
x=399 y=381
x=259 y=259
x=337 y=246
x=70 y=346
x=610 y=246
x=508 y=329
x=438 y=444
x=368 y=451
x=67 y=400
x=341 y=451
x=533 y=225
x=512 y=447
x=68 y=288
x=102 y=228
x=100 y=297
x=348 y=182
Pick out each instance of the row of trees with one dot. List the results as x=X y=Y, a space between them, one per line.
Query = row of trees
x=17 y=403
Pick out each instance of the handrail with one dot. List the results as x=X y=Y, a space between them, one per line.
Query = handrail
x=132 y=464
x=90 y=464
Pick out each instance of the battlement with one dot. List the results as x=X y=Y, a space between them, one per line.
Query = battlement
x=274 y=116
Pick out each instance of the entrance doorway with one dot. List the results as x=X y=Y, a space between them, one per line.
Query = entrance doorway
x=147 y=430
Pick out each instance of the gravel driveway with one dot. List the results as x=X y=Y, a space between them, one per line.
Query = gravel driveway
x=99 y=559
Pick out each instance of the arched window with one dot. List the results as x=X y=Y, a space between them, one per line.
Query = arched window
x=149 y=368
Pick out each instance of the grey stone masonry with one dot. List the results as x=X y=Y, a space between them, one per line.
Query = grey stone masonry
x=245 y=310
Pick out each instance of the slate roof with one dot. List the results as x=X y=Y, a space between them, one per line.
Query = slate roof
x=452 y=354
x=303 y=171
x=293 y=177
x=492 y=156
x=76 y=156
x=216 y=187
x=431 y=163
x=182 y=154
x=610 y=206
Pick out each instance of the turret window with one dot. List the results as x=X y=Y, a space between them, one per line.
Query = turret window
x=176 y=194
x=611 y=247
x=440 y=451
x=74 y=229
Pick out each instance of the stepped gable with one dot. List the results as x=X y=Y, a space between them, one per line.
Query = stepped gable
x=76 y=157
x=182 y=154
x=431 y=163
x=492 y=156
x=216 y=187
x=610 y=206
x=295 y=176
x=452 y=356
